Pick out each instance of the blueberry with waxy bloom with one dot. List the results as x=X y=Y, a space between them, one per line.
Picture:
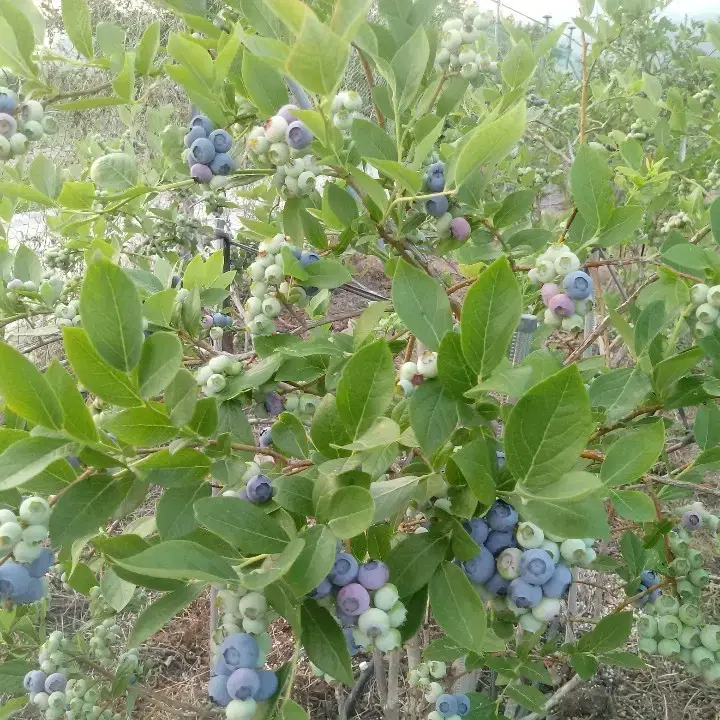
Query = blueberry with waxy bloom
x=578 y=285
x=536 y=566
x=562 y=305
x=373 y=574
x=353 y=599
x=501 y=516
x=345 y=569
x=523 y=594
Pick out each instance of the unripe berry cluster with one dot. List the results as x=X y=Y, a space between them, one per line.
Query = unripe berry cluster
x=296 y=177
x=207 y=150
x=366 y=604
x=518 y=562
x=345 y=107
x=303 y=404
x=538 y=175
x=213 y=376
x=638 y=131
x=566 y=290
x=67 y=315
x=244 y=611
x=459 y=48
x=21 y=123
x=412 y=374
x=714 y=177
x=447 y=705
x=678 y=220
x=280 y=140
x=706 y=301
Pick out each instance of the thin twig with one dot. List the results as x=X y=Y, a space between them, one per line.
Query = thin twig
x=371 y=84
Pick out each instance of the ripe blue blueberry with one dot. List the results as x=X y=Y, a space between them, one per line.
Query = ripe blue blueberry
x=34 y=591
x=523 y=594
x=298 y=136
x=222 y=164
x=558 y=584
x=481 y=568
x=373 y=574
x=353 y=599
x=259 y=489
x=437 y=206
x=55 y=683
x=221 y=139
x=220 y=320
x=8 y=101
x=268 y=685
x=217 y=690
x=203 y=151
x=648 y=578
x=308 y=258
x=240 y=650
x=344 y=570
x=202 y=121
x=435 y=179
x=536 y=566
x=265 y=438
x=176 y=280
x=322 y=590
x=273 y=403
x=499 y=540
x=243 y=684
x=497 y=585
x=692 y=520
x=446 y=705
x=194 y=134
x=578 y=285
x=34 y=681
x=41 y=564
x=501 y=516
x=201 y=173
x=463 y=704
x=287 y=112
x=14 y=579
x=478 y=529
x=460 y=228
x=353 y=647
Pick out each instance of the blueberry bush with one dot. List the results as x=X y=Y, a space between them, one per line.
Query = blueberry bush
x=419 y=487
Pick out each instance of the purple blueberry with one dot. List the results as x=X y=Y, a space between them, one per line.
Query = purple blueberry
x=268 y=685
x=41 y=564
x=578 y=285
x=648 y=578
x=222 y=164
x=308 y=258
x=287 y=113
x=207 y=321
x=654 y=595
x=497 y=585
x=194 y=134
x=259 y=489
x=240 y=650
x=481 y=568
x=298 y=136
x=203 y=151
x=435 y=179
x=344 y=570
x=322 y=590
x=34 y=591
x=446 y=705
x=558 y=584
x=265 y=438
x=562 y=305
x=176 y=280
x=217 y=690
x=499 y=540
x=373 y=574
x=220 y=320
x=437 y=206
x=34 y=681
x=201 y=173
x=273 y=403
x=536 y=566
x=692 y=520
x=221 y=139
x=478 y=529
x=353 y=599
x=353 y=647
x=501 y=516
x=463 y=704
x=547 y=292
x=8 y=125
x=460 y=228
x=202 y=121
x=523 y=594
x=55 y=683
x=14 y=579
x=346 y=620
x=243 y=684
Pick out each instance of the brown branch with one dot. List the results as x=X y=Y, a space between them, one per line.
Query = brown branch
x=261 y=451
x=647 y=410
x=327 y=319
x=78 y=93
x=371 y=84
x=640 y=595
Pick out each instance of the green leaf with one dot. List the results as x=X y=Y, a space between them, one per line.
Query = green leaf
x=571 y=487
x=457 y=607
x=623 y=659
x=365 y=388
x=371 y=141
x=314 y=562
x=421 y=303
x=142 y=426
x=27 y=265
x=339 y=208
x=324 y=642
x=43 y=176
x=391 y=497
x=518 y=65
x=264 y=84
x=610 y=633
x=294 y=493
x=454 y=372
x=83 y=508
x=115 y=591
x=591 y=185
x=527 y=696
x=111 y=38
x=621 y=226
x=707 y=426
x=111 y=314
x=26 y=391
x=77 y=418
x=633 y=505
x=351 y=511
x=25 y=459
x=633 y=553
x=632 y=455
x=489 y=143
x=181 y=397
x=328 y=431
x=184 y=467
x=289 y=438
x=491 y=312
x=433 y=415
x=148 y=48
x=160 y=361
x=670 y=370
x=476 y=464
x=404 y=176
x=619 y=391
x=327 y=273
x=408 y=68
x=205 y=418
x=273 y=567
x=381 y=433
x=586 y=518
x=181 y=560
x=175 y=513
x=413 y=561
x=584 y=665
x=12 y=673
x=19 y=190
x=242 y=524
x=515 y=207
x=715 y=219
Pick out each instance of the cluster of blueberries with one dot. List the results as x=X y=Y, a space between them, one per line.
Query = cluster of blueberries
x=518 y=562
x=237 y=681
x=566 y=290
x=207 y=150
x=459 y=44
x=366 y=604
x=21 y=123
x=438 y=206
x=345 y=107
x=706 y=301
x=412 y=374
x=213 y=377
x=245 y=611
x=214 y=322
x=450 y=706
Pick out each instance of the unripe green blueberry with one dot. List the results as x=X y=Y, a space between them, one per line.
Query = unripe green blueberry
x=690 y=614
x=253 y=306
x=647 y=626
x=679 y=567
x=690 y=637
x=699 y=577
x=33 y=130
x=10 y=534
x=711 y=675
x=432 y=692
x=389 y=640
x=374 y=622
x=713 y=293
x=216 y=383
x=666 y=605
x=265 y=259
x=41 y=700
x=707 y=314
x=530 y=623
x=271 y=307
x=437 y=669
x=35 y=511
x=260 y=324
x=710 y=637
x=552 y=549
x=25 y=552
x=686 y=590
x=18 y=144
x=573 y=550
x=678 y=544
x=702 y=657
x=669 y=626
x=274 y=274
x=202 y=374
x=308 y=403
x=241 y=709
x=529 y=535
x=668 y=647
x=647 y=645
x=695 y=559
x=259 y=290
x=220 y=363
x=547 y=609
x=34 y=534
x=386 y=597
x=56 y=700
x=254 y=627
x=253 y=605
x=256 y=271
